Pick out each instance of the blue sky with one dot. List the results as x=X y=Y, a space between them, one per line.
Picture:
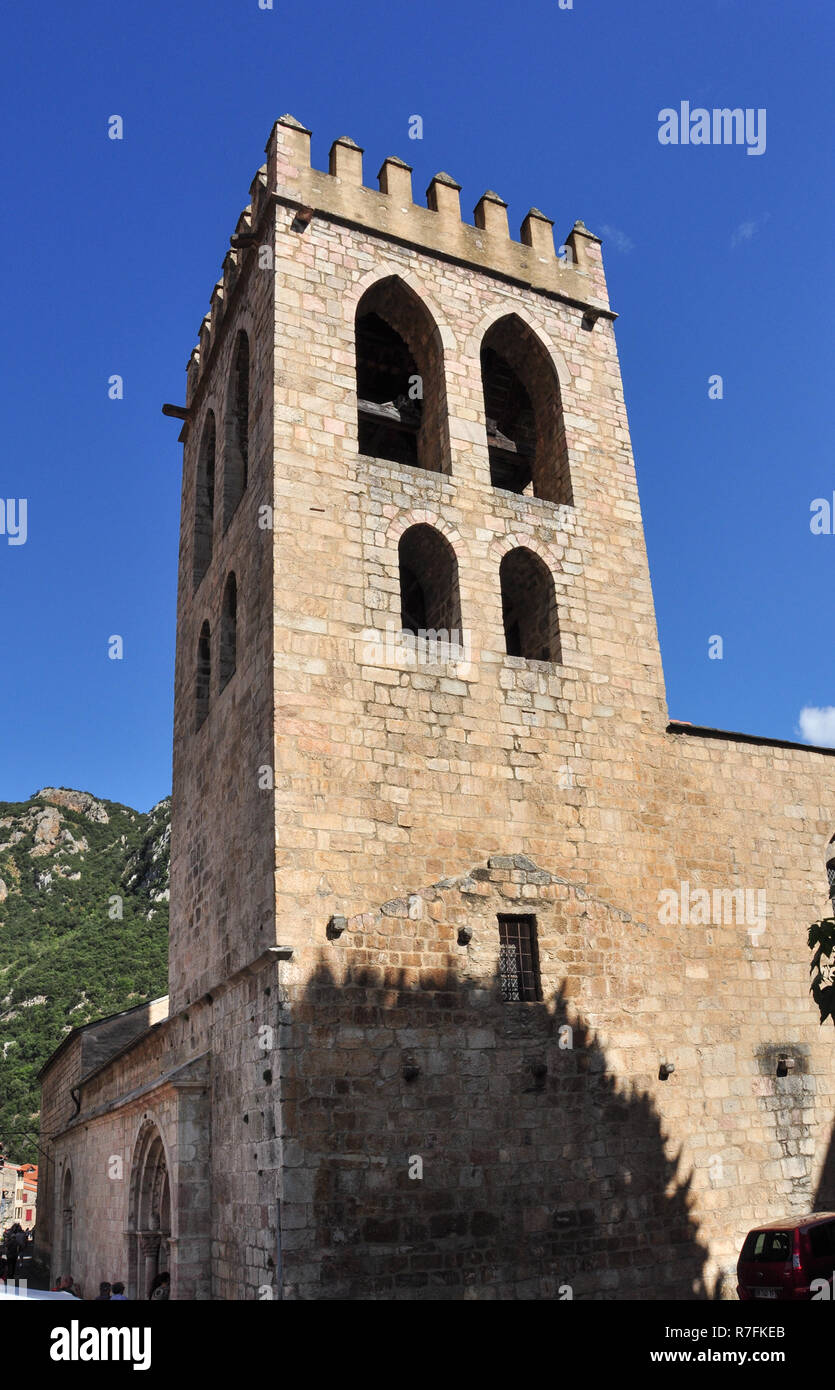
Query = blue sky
x=718 y=262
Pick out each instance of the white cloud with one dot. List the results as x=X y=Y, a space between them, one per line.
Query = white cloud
x=746 y=231
x=618 y=238
x=818 y=725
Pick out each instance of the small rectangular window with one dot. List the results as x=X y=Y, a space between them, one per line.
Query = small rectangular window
x=518 y=959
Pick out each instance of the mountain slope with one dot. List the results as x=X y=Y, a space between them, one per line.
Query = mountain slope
x=83 y=931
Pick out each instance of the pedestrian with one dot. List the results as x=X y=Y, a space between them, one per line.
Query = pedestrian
x=103 y=1295
x=161 y=1286
x=118 y=1293
x=3 y=1269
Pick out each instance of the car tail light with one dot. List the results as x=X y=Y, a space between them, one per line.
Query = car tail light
x=797 y=1262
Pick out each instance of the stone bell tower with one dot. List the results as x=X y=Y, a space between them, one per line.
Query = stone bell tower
x=396 y=421
x=429 y=1034
x=417 y=661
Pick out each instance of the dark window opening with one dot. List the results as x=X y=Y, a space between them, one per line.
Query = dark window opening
x=523 y=413
x=204 y=675
x=513 y=639
x=204 y=502
x=412 y=601
x=822 y=1239
x=401 y=397
x=388 y=417
x=518 y=959
x=529 y=607
x=429 y=594
x=229 y=632
x=511 y=428
x=236 y=457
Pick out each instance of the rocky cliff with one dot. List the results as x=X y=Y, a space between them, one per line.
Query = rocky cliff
x=83 y=931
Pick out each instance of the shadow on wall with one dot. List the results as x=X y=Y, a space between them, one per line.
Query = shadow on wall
x=825 y=1195
x=824 y=996
x=457 y=1146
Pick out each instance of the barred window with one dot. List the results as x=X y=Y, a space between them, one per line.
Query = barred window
x=830 y=874
x=518 y=959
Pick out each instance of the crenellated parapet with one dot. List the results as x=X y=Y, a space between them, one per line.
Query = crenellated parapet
x=573 y=272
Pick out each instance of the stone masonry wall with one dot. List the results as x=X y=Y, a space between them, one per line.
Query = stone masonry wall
x=221 y=827
x=223 y=1158
x=553 y=1155
x=390 y=775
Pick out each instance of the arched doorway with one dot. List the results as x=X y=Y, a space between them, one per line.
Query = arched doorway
x=66 y=1224
x=149 y=1220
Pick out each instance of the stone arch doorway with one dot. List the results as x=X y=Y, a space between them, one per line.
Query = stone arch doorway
x=150 y=1239
x=66 y=1223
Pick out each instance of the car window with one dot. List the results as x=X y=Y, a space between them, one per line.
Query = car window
x=768 y=1247
x=822 y=1239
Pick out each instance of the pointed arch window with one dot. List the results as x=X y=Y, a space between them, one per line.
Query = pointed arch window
x=204 y=500
x=66 y=1222
x=229 y=631
x=523 y=412
x=401 y=393
x=203 y=680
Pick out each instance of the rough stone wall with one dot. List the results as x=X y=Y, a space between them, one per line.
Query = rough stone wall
x=99 y=1201
x=219 y=1138
x=56 y=1109
x=455 y=1146
x=597 y=1175
x=221 y=828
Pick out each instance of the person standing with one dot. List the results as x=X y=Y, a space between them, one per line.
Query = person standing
x=12 y=1251
x=161 y=1286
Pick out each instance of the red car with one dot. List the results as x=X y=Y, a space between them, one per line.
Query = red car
x=782 y=1258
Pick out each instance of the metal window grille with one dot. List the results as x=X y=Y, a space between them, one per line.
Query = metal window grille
x=518 y=963
x=830 y=874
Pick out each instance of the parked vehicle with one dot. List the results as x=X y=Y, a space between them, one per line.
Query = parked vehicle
x=782 y=1259
x=10 y=1291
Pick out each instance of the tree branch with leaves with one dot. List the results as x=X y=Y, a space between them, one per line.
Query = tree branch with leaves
x=822 y=968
